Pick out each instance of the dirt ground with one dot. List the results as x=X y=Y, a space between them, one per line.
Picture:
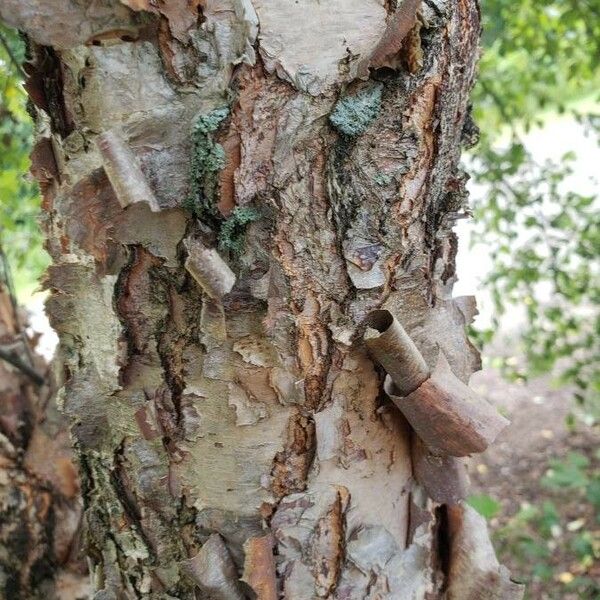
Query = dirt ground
x=511 y=471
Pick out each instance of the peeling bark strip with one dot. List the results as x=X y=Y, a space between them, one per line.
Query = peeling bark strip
x=214 y=572
x=475 y=573
x=259 y=567
x=124 y=172
x=445 y=413
x=206 y=266
x=208 y=358
x=400 y=24
x=443 y=478
x=396 y=352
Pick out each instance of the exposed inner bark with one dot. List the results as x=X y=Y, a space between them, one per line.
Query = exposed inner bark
x=210 y=411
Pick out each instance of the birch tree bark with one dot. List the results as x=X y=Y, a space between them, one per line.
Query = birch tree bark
x=230 y=187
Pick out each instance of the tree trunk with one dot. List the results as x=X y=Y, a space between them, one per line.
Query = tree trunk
x=230 y=188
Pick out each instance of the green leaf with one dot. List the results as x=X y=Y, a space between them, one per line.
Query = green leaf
x=485 y=505
x=568 y=474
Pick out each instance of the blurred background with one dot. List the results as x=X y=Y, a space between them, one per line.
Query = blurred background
x=531 y=255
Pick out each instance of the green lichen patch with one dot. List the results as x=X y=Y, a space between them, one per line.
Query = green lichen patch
x=382 y=179
x=208 y=158
x=209 y=123
x=233 y=230
x=353 y=114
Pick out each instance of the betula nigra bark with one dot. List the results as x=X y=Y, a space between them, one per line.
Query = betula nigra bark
x=238 y=443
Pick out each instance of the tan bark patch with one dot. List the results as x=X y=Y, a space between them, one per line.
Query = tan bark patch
x=259 y=100
x=313 y=352
x=324 y=50
x=44 y=169
x=419 y=115
x=231 y=145
x=51 y=460
x=328 y=545
x=259 y=567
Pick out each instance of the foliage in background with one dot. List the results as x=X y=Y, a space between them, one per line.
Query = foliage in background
x=19 y=197
x=539 y=58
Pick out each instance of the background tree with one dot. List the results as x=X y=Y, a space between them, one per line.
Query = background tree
x=40 y=506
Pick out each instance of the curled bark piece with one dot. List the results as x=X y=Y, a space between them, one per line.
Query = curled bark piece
x=474 y=571
x=447 y=415
x=124 y=171
x=212 y=569
x=207 y=267
x=395 y=351
x=259 y=567
x=443 y=478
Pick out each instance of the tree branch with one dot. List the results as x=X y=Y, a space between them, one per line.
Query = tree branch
x=15 y=361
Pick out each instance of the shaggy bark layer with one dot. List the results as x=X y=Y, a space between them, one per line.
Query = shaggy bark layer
x=232 y=431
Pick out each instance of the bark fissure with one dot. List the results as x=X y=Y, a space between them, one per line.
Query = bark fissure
x=291 y=466
x=45 y=89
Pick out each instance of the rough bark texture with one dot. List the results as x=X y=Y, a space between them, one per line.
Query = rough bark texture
x=232 y=432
